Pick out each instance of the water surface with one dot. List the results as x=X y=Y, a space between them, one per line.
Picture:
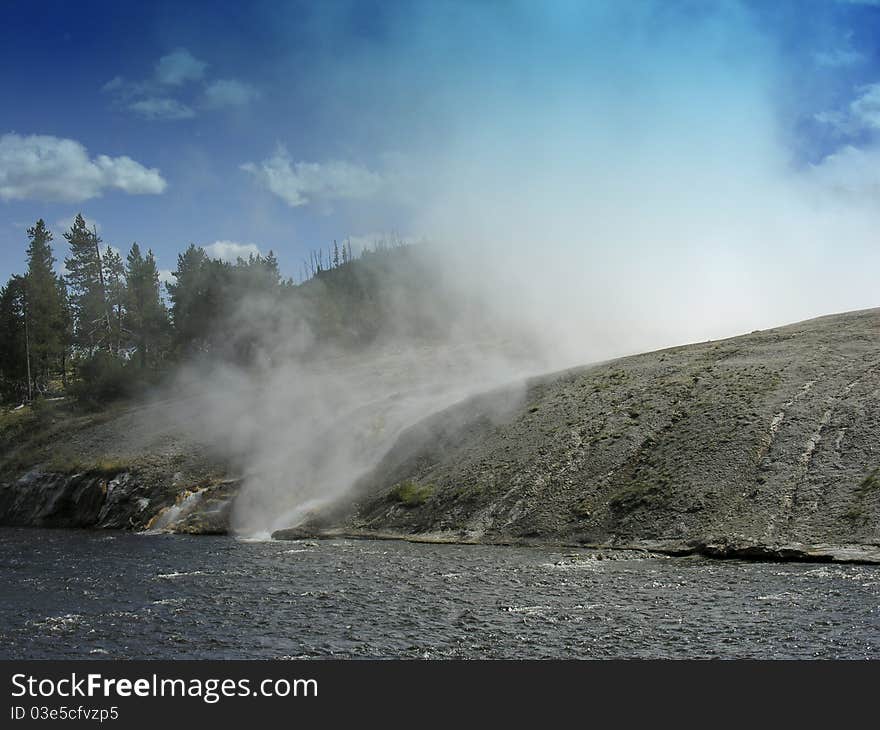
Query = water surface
x=81 y=594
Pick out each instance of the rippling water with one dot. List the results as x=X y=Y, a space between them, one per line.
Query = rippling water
x=117 y=595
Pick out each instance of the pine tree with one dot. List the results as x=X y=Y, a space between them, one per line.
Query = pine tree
x=336 y=260
x=190 y=301
x=65 y=325
x=146 y=317
x=45 y=315
x=270 y=263
x=114 y=281
x=85 y=277
x=13 y=341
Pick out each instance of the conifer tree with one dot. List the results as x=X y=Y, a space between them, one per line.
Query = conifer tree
x=85 y=277
x=13 y=343
x=270 y=263
x=65 y=325
x=190 y=303
x=45 y=308
x=114 y=281
x=146 y=317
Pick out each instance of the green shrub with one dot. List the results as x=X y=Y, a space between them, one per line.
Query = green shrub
x=102 y=378
x=410 y=493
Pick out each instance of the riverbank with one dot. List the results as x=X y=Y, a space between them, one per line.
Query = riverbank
x=720 y=550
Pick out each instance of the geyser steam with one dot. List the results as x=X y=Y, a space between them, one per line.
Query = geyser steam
x=596 y=179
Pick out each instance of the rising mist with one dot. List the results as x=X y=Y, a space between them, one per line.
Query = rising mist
x=592 y=181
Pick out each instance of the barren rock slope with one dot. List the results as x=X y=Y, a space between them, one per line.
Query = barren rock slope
x=770 y=438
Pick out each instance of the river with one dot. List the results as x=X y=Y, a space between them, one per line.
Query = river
x=82 y=594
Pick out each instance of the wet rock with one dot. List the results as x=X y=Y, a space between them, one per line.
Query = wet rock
x=53 y=500
x=122 y=500
x=296 y=533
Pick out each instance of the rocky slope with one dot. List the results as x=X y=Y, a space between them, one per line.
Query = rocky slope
x=760 y=446
x=126 y=467
x=765 y=445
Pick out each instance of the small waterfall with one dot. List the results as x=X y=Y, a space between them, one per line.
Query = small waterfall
x=169 y=516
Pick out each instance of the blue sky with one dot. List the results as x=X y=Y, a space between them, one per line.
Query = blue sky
x=286 y=125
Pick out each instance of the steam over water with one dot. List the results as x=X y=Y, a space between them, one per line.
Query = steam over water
x=86 y=594
x=303 y=433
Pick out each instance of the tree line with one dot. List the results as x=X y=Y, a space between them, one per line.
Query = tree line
x=104 y=325
x=102 y=329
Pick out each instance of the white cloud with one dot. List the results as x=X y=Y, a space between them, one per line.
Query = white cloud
x=179 y=67
x=168 y=94
x=303 y=182
x=229 y=92
x=42 y=167
x=834 y=119
x=166 y=277
x=230 y=250
x=866 y=109
x=162 y=108
x=863 y=113
x=850 y=171
x=117 y=83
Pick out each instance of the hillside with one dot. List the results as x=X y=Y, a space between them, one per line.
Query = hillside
x=764 y=445
x=768 y=439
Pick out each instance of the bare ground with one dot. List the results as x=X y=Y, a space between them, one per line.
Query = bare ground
x=771 y=438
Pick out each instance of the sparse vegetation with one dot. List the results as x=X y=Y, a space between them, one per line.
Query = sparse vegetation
x=411 y=494
x=859 y=512
x=67 y=464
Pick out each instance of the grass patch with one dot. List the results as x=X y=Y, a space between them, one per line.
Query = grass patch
x=858 y=513
x=65 y=464
x=411 y=494
x=31 y=435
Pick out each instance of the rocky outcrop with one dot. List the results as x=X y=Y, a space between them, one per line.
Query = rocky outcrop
x=70 y=500
x=121 y=500
x=205 y=510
